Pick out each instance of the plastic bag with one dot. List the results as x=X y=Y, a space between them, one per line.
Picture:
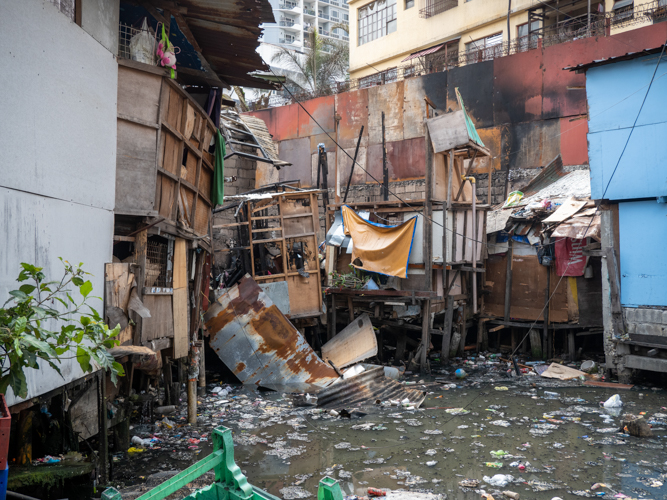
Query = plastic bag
x=141 y=45
x=613 y=402
x=513 y=199
x=499 y=480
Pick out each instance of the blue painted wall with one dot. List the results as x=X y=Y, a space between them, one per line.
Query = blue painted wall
x=643 y=236
x=615 y=93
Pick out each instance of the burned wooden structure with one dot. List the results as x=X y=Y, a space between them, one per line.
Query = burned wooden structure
x=277 y=245
x=543 y=278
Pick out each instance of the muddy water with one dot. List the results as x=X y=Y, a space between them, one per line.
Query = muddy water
x=566 y=442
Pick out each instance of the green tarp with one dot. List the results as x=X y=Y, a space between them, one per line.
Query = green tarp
x=218 y=187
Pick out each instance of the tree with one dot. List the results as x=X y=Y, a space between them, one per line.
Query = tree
x=25 y=337
x=323 y=63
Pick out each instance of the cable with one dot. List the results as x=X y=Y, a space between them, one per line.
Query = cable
x=418 y=209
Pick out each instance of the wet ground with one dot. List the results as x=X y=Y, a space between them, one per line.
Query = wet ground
x=552 y=445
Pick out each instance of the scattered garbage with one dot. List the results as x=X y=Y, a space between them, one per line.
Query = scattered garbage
x=613 y=402
x=499 y=480
x=460 y=373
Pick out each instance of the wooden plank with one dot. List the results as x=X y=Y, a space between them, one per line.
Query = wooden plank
x=180 y=279
x=610 y=385
x=138 y=95
x=180 y=308
x=448 y=131
x=161 y=322
x=136 y=161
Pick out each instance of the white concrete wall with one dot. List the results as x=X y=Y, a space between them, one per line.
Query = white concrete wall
x=58 y=91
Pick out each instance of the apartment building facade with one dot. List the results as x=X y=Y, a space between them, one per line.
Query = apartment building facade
x=294 y=18
x=392 y=39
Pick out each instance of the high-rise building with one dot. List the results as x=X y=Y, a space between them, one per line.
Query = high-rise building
x=294 y=18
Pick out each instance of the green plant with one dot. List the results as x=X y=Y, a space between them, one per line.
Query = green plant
x=25 y=337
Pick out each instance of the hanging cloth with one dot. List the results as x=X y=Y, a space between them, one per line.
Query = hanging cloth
x=218 y=187
x=379 y=248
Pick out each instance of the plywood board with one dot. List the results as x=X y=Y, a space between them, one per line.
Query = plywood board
x=180 y=308
x=118 y=284
x=565 y=211
x=354 y=343
x=135 y=168
x=180 y=264
x=448 y=131
x=440 y=180
x=161 y=322
x=305 y=295
x=138 y=94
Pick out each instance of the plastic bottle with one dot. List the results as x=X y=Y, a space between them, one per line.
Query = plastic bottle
x=377 y=492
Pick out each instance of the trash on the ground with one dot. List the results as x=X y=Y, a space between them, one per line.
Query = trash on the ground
x=356 y=342
x=499 y=480
x=460 y=373
x=511 y=494
x=562 y=372
x=589 y=366
x=636 y=426
x=613 y=402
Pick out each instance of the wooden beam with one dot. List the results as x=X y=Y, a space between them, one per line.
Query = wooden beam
x=185 y=29
x=508 y=281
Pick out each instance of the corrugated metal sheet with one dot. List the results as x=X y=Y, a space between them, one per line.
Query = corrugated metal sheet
x=367 y=388
x=259 y=344
x=228 y=34
x=261 y=132
x=424 y=52
x=551 y=173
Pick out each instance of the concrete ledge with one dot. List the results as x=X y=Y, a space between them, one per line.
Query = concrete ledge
x=643 y=363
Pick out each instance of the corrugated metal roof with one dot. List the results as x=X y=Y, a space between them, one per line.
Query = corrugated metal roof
x=228 y=35
x=367 y=388
x=261 y=132
x=551 y=173
x=424 y=52
x=609 y=60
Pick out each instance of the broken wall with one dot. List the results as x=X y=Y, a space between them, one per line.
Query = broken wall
x=526 y=109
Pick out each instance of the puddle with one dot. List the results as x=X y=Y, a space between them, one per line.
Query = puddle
x=553 y=446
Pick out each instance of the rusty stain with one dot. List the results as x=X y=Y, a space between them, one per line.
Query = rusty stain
x=259 y=344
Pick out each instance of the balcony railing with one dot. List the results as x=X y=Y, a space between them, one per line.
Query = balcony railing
x=287 y=23
x=309 y=12
x=286 y=41
x=323 y=16
x=434 y=7
x=287 y=5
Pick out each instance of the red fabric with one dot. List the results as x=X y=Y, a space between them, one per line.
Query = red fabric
x=570 y=260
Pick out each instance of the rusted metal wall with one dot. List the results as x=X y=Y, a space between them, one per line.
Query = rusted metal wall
x=520 y=104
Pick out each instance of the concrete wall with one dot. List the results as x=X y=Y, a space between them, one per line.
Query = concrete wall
x=58 y=154
x=641 y=171
x=470 y=20
x=99 y=18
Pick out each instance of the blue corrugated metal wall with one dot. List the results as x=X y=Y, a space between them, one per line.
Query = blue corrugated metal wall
x=615 y=93
x=643 y=235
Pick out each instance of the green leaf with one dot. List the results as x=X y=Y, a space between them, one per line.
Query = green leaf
x=86 y=288
x=84 y=359
x=96 y=315
x=85 y=320
x=18 y=294
x=18 y=382
x=77 y=281
x=70 y=298
x=20 y=324
x=39 y=312
x=42 y=346
x=27 y=289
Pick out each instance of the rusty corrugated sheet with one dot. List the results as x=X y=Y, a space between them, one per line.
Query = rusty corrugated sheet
x=228 y=34
x=259 y=344
x=551 y=173
x=367 y=388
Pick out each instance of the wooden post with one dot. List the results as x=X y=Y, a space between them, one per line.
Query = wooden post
x=515 y=337
x=139 y=270
x=571 y=346
x=385 y=170
x=450 y=174
x=426 y=333
x=201 y=381
x=401 y=343
x=193 y=369
x=25 y=437
x=447 y=333
x=508 y=281
x=480 y=333
x=102 y=420
x=546 y=349
x=350 y=308
x=333 y=329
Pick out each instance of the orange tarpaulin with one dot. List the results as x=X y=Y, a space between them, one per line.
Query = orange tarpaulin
x=379 y=248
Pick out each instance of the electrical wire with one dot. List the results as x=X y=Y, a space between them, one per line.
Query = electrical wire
x=418 y=209
x=627 y=141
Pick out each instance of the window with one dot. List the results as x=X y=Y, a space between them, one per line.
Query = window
x=484 y=49
x=346 y=17
x=334 y=14
x=623 y=10
x=376 y=20
x=526 y=40
x=409 y=4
